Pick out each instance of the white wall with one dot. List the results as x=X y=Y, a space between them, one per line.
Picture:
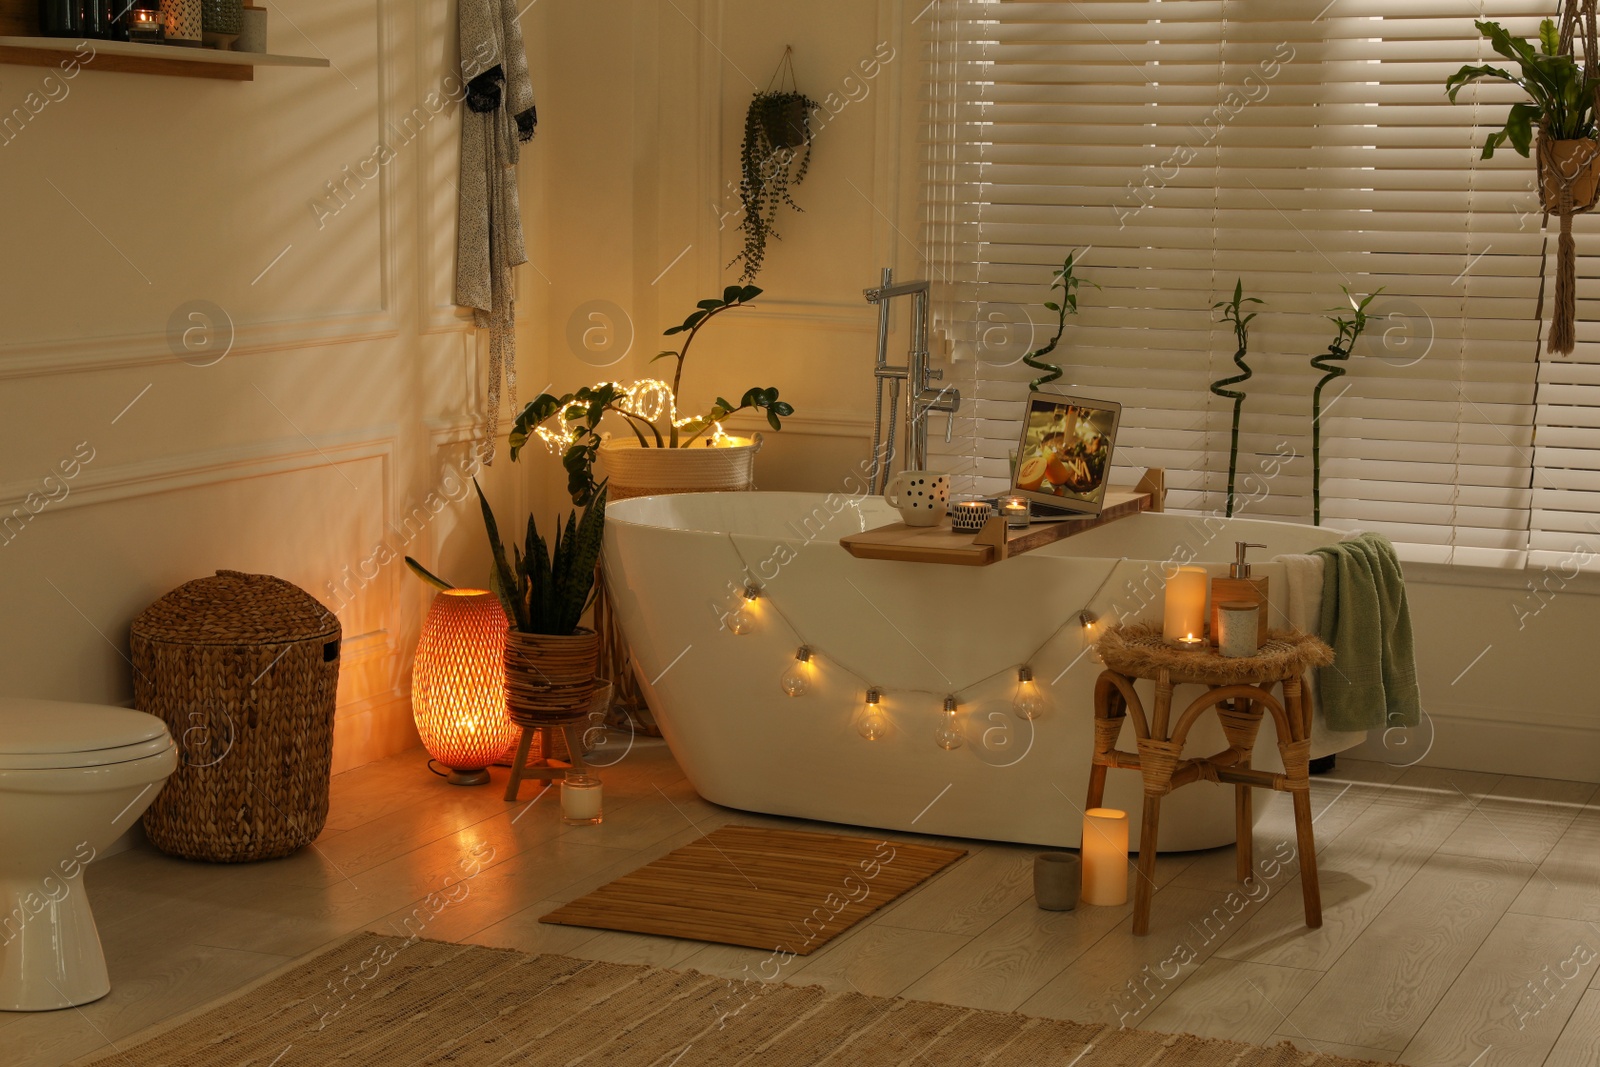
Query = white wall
x=347 y=393
x=642 y=121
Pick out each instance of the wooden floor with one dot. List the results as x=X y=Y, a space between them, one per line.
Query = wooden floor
x=1461 y=916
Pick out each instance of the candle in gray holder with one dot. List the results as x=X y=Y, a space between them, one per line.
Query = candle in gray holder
x=1056 y=878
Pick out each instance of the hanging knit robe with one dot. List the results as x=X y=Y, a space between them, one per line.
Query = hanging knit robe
x=498 y=117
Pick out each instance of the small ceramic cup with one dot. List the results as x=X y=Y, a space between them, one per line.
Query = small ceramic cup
x=1056 y=877
x=922 y=497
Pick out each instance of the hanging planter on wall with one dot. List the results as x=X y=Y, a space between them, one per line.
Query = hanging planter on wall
x=773 y=160
x=1564 y=97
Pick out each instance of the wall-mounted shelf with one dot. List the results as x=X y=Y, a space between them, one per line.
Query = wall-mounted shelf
x=131 y=58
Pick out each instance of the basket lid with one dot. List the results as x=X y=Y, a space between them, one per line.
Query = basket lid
x=234 y=608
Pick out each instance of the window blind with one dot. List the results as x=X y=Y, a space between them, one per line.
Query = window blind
x=1301 y=146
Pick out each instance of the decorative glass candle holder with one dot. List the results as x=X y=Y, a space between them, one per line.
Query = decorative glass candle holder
x=968 y=516
x=580 y=800
x=144 y=25
x=1237 y=629
x=1015 y=510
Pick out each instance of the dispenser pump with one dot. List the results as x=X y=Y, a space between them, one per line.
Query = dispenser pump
x=1241 y=567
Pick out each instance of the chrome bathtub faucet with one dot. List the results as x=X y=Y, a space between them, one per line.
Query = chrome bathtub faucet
x=921 y=397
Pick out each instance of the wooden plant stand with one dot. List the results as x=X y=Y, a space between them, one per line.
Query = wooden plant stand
x=1240 y=690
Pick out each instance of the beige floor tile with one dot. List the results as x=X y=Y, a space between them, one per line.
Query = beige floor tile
x=1379 y=993
x=1233 y=1000
x=1567 y=885
x=969 y=896
x=1521 y=819
x=1495 y=1011
x=880 y=961
x=524 y=932
x=1579 y=1044
x=1121 y=978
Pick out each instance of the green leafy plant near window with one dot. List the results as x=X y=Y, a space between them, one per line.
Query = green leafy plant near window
x=543 y=590
x=773 y=160
x=1561 y=100
x=1332 y=362
x=580 y=413
x=1232 y=312
x=1068 y=283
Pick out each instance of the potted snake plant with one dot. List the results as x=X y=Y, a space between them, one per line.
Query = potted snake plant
x=658 y=451
x=545 y=590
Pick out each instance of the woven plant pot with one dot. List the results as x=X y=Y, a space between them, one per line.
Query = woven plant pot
x=244 y=670
x=637 y=471
x=1578 y=160
x=550 y=679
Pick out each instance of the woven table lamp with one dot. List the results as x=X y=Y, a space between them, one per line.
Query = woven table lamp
x=458 y=684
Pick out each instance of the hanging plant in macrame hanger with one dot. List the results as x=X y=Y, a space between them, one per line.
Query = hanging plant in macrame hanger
x=772 y=161
x=1564 y=100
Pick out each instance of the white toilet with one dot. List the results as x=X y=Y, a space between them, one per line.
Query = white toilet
x=73 y=777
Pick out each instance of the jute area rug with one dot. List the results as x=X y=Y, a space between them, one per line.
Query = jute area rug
x=381 y=1001
x=791 y=891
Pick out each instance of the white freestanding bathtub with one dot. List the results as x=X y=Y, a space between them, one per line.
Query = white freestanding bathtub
x=675 y=567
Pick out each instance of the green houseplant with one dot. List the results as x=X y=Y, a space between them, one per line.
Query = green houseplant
x=544 y=589
x=1232 y=313
x=1068 y=283
x=1561 y=107
x=1332 y=362
x=773 y=160
x=660 y=456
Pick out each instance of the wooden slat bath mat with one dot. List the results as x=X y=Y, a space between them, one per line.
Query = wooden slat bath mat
x=785 y=890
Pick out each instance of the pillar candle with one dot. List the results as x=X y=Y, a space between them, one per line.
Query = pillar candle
x=1105 y=857
x=1184 y=614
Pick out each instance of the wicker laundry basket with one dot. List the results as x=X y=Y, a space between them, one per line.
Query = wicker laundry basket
x=244 y=669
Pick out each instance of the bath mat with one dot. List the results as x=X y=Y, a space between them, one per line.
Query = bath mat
x=378 y=1000
x=785 y=890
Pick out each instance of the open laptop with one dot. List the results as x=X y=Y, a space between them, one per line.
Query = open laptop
x=1064 y=456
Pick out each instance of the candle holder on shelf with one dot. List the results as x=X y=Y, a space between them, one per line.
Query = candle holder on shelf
x=182 y=22
x=145 y=23
x=968 y=516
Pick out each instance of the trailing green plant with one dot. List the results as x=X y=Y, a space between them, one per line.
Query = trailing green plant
x=1332 y=362
x=773 y=161
x=1232 y=313
x=1068 y=283
x=543 y=590
x=649 y=408
x=1561 y=97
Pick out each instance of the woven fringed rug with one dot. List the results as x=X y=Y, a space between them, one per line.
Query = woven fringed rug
x=791 y=891
x=379 y=1001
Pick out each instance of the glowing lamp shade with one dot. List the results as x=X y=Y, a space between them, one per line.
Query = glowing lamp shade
x=458 y=684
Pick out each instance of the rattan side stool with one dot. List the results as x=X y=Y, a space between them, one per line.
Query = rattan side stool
x=1240 y=690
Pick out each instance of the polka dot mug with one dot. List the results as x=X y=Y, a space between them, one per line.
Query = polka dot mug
x=922 y=497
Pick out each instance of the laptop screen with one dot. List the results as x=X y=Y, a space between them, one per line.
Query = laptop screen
x=1064 y=457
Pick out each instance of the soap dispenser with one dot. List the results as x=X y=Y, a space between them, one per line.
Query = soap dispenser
x=1241 y=587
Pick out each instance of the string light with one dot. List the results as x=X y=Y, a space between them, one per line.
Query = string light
x=948 y=735
x=1030 y=701
x=872 y=723
x=741 y=621
x=797 y=679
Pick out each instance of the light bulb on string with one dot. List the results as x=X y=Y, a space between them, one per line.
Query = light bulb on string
x=872 y=723
x=948 y=735
x=741 y=621
x=1030 y=701
x=797 y=679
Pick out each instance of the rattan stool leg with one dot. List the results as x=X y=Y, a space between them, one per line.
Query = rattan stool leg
x=574 y=735
x=1244 y=832
x=1309 y=888
x=1145 y=885
x=519 y=763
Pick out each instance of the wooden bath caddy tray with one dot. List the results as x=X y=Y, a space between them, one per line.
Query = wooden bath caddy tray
x=995 y=542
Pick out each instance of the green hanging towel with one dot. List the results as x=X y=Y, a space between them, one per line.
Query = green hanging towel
x=1373 y=681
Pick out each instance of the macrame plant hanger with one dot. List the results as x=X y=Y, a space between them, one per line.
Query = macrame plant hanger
x=1566 y=176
